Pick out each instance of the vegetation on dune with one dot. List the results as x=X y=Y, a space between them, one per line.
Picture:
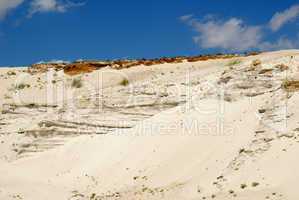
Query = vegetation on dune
x=290 y=85
x=21 y=86
x=77 y=82
x=234 y=62
x=125 y=82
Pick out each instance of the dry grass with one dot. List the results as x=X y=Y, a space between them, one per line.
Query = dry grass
x=290 y=85
x=77 y=83
x=255 y=65
x=282 y=67
x=124 y=82
x=21 y=86
x=256 y=62
x=243 y=186
x=255 y=184
x=266 y=71
x=11 y=73
x=6 y=96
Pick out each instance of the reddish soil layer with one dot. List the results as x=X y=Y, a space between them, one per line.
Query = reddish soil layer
x=78 y=68
x=89 y=66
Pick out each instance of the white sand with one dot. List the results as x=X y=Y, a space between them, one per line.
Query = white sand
x=167 y=135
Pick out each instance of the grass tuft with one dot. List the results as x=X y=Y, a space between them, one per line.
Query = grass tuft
x=234 y=62
x=254 y=184
x=124 y=82
x=21 y=86
x=243 y=186
x=77 y=83
x=290 y=85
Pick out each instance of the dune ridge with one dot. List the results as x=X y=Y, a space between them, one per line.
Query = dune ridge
x=224 y=128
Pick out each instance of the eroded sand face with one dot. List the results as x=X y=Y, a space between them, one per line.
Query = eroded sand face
x=217 y=129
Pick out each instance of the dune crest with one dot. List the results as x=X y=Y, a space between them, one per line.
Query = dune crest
x=224 y=128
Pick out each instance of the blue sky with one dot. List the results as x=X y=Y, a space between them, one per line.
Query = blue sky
x=44 y=30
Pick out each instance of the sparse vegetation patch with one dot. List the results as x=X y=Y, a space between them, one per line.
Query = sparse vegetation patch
x=290 y=85
x=77 y=83
x=255 y=184
x=243 y=186
x=125 y=82
x=21 y=86
x=234 y=62
x=11 y=73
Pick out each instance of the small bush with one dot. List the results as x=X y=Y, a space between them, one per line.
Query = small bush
x=124 y=82
x=6 y=96
x=21 y=131
x=21 y=86
x=243 y=186
x=77 y=83
x=11 y=73
x=256 y=63
x=241 y=150
x=254 y=184
x=290 y=85
x=234 y=62
x=282 y=67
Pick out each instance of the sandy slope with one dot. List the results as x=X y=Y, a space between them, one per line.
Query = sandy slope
x=224 y=132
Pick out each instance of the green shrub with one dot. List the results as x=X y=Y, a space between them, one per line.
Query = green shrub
x=234 y=62
x=125 y=82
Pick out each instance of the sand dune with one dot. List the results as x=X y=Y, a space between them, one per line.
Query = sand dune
x=217 y=129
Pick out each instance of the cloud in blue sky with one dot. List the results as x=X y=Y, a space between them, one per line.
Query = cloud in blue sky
x=281 y=43
x=211 y=32
x=281 y=18
x=234 y=34
x=8 y=5
x=37 y=6
x=42 y=6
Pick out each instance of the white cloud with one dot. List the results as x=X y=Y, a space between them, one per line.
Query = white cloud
x=281 y=43
x=281 y=18
x=37 y=6
x=185 y=18
x=8 y=5
x=232 y=34
x=41 y=6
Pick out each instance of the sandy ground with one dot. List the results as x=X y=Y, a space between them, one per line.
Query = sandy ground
x=218 y=129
